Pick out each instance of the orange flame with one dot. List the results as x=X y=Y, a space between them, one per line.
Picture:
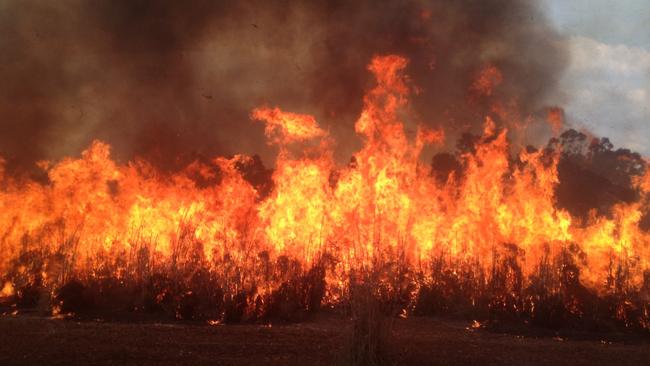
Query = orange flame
x=383 y=206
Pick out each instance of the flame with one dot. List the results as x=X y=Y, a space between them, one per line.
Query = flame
x=555 y=119
x=7 y=290
x=487 y=80
x=383 y=206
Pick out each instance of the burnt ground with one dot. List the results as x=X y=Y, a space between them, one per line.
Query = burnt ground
x=30 y=340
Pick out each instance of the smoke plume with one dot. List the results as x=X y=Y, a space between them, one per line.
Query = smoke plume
x=169 y=80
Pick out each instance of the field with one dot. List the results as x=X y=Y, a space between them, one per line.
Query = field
x=31 y=340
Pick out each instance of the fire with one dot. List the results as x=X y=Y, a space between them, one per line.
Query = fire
x=488 y=79
x=555 y=119
x=96 y=218
x=7 y=290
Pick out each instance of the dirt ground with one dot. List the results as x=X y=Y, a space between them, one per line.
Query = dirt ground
x=29 y=340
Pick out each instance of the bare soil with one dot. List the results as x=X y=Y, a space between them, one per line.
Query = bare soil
x=31 y=340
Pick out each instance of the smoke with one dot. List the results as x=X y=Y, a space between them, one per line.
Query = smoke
x=169 y=80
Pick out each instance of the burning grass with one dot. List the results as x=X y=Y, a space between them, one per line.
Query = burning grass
x=283 y=290
x=481 y=237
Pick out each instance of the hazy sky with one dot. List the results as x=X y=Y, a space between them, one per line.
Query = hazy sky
x=608 y=83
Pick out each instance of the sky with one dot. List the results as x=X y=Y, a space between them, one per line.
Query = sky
x=607 y=85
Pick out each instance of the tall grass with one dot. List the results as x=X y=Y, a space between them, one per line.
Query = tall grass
x=255 y=286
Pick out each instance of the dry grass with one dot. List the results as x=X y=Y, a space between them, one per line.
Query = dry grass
x=260 y=288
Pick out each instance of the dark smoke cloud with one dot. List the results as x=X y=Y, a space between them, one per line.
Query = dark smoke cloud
x=169 y=79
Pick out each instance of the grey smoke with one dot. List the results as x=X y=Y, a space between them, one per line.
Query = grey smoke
x=169 y=80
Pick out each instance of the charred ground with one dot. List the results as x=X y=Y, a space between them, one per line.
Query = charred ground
x=418 y=341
